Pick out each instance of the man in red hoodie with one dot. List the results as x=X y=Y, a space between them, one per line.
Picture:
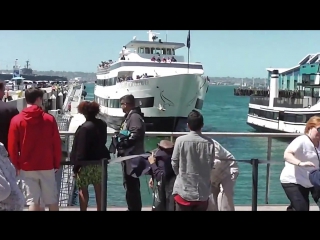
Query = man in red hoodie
x=34 y=146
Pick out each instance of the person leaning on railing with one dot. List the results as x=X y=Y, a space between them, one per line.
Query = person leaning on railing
x=162 y=172
x=301 y=157
x=89 y=145
x=223 y=179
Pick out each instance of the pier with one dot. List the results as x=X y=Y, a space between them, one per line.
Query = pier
x=249 y=91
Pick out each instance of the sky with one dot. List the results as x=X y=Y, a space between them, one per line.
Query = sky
x=222 y=53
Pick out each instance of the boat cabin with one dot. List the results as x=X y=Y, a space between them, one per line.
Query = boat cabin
x=148 y=50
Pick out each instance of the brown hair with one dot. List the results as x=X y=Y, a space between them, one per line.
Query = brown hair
x=89 y=109
x=32 y=94
x=312 y=122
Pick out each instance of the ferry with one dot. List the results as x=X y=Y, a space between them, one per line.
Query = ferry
x=165 y=86
x=292 y=99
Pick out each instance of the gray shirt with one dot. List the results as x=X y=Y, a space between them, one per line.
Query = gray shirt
x=192 y=160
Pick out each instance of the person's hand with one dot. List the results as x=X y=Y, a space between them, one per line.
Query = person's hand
x=150 y=183
x=306 y=164
x=152 y=159
x=234 y=173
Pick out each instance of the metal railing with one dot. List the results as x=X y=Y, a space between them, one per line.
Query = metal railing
x=254 y=161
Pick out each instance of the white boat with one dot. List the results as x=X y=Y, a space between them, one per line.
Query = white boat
x=165 y=86
x=289 y=114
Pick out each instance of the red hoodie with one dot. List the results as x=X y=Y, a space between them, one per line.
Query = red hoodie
x=35 y=135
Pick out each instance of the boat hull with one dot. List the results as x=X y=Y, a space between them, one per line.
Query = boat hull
x=172 y=98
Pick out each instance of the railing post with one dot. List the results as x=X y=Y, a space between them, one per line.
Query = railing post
x=104 y=184
x=266 y=200
x=255 y=165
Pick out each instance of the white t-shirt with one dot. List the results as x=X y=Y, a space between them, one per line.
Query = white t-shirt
x=304 y=151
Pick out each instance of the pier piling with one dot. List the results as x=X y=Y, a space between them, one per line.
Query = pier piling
x=60 y=101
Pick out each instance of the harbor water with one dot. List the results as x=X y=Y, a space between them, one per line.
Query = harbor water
x=223 y=112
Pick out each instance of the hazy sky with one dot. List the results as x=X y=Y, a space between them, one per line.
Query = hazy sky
x=222 y=53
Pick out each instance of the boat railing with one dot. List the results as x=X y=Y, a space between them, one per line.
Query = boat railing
x=259 y=100
x=254 y=161
x=292 y=102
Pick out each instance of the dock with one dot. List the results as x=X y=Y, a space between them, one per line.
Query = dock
x=249 y=91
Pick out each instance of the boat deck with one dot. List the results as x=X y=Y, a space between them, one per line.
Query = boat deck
x=238 y=208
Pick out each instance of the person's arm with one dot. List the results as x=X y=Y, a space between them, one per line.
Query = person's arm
x=289 y=153
x=80 y=151
x=79 y=148
x=136 y=128
x=222 y=153
x=14 y=144
x=57 y=151
x=157 y=168
x=5 y=188
x=175 y=157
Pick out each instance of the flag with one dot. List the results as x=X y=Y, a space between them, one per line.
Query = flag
x=188 y=40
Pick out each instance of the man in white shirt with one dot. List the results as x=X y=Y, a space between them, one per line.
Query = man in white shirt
x=223 y=178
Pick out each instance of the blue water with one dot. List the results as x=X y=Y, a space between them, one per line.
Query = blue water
x=223 y=112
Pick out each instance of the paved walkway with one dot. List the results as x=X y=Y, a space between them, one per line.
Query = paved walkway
x=238 y=208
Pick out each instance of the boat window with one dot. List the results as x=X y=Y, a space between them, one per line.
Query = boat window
x=147 y=51
x=141 y=50
x=305 y=78
x=268 y=115
x=164 y=51
x=168 y=51
x=301 y=118
x=153 y=51
x=173 y=52
x=159 y=50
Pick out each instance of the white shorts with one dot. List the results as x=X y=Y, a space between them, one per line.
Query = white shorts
x=40 y=185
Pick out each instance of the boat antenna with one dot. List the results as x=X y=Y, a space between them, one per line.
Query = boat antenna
x=188 y=46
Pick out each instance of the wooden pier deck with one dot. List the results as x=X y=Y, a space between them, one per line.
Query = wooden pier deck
x=238 y=208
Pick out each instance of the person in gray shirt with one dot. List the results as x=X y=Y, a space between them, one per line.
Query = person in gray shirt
x=192 y=161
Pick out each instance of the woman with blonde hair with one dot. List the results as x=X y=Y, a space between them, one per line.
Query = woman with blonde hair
x=301 y=157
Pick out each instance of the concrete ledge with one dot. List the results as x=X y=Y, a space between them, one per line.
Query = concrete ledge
x=238 y=208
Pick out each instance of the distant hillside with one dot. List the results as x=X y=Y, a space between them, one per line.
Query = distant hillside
x=70 y=75
x=91 y=76
x=85 y=76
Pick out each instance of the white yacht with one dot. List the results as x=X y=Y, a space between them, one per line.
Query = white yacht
x=165 y=86
x=288 y=113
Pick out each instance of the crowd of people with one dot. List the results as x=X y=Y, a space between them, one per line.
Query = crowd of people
x=194 y=173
